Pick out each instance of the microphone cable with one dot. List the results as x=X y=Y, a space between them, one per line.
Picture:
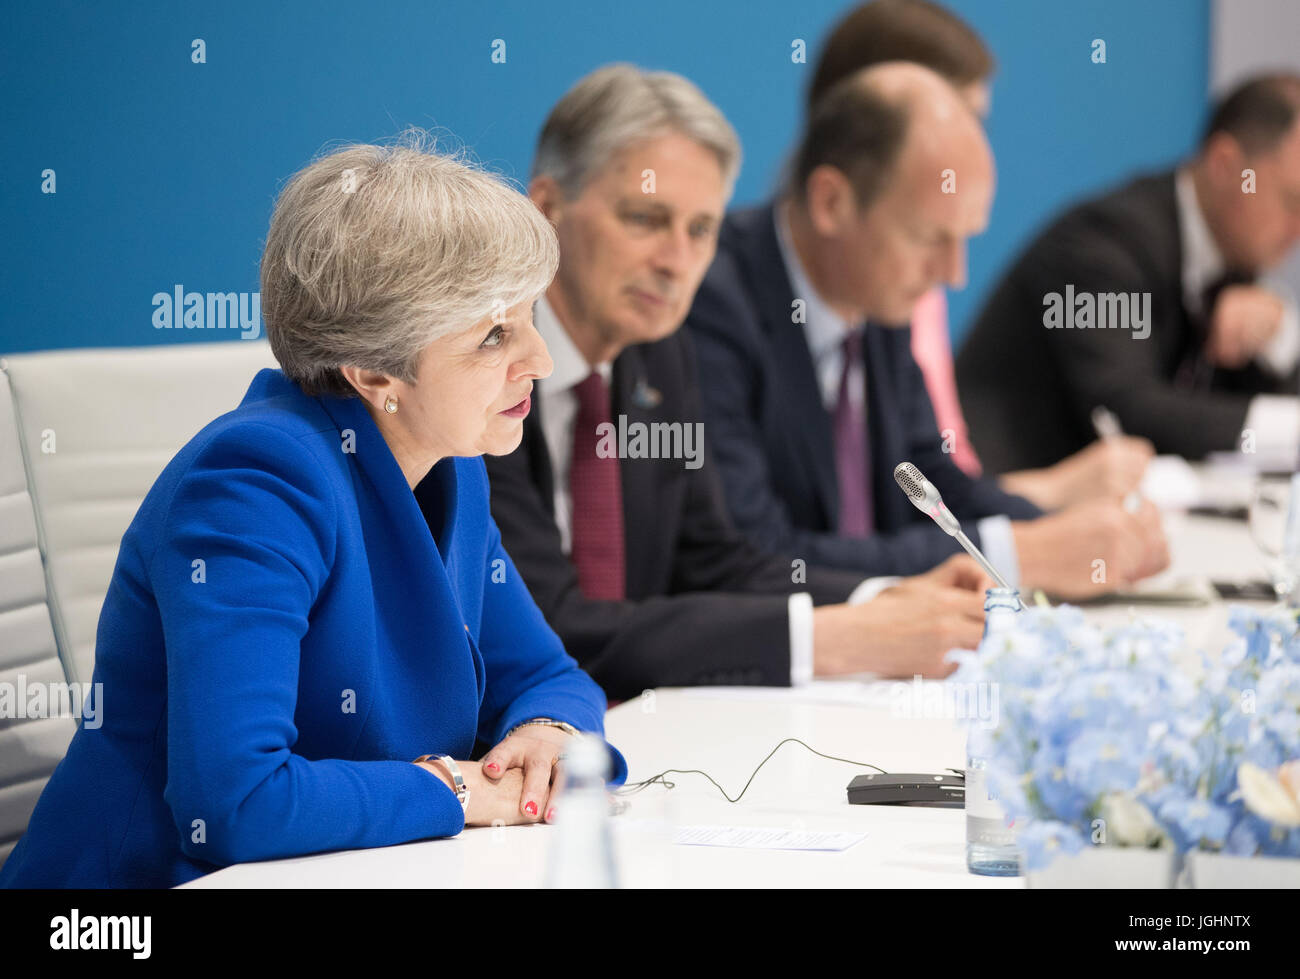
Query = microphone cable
x=632 y=788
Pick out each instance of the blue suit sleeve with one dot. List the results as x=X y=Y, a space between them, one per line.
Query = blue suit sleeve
x=528 y=672
x=253 y=508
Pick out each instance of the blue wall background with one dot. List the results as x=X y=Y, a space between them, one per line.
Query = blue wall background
x=167 y=170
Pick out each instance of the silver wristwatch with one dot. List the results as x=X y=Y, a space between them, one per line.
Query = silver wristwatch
x=545 y=722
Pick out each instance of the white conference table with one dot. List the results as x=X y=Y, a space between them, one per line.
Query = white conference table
x=727 y=732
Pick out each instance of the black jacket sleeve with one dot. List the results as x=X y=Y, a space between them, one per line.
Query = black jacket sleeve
x=696 y=636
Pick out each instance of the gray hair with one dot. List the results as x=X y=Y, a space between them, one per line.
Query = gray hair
x=619 y=105
x=376 y=251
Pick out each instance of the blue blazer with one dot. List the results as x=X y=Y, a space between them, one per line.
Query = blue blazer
x=771 y=436
x=283 y=633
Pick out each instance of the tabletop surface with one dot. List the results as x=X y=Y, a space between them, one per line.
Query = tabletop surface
x=727 y=732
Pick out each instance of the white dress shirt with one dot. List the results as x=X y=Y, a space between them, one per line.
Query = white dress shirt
x=824 y=330
x=559 y=408
x=1273 y=418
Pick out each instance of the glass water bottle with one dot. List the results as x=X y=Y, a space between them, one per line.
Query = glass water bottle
x=991 y=848
x=582 y=852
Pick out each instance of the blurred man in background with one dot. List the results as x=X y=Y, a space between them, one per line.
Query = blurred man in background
x=810 y=389
x=931 y=35
x=1149 y=301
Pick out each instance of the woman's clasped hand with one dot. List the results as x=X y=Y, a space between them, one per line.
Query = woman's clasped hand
x=518 y=781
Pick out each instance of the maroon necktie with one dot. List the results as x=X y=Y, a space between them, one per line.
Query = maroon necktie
x=852 y=469
x=596 y=492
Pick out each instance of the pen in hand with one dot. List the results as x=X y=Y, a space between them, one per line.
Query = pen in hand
x=1107 y=426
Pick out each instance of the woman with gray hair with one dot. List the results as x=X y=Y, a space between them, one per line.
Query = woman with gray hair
x=294 y=658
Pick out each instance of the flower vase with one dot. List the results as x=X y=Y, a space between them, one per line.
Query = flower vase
x=1117 y=867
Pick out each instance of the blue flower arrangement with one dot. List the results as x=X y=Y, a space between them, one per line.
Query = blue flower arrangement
x=1122 y=736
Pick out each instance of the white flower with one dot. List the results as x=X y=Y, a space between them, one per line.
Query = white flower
x=1269 y=795
x=1128 y=822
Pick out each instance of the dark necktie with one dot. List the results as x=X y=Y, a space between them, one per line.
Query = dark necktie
x=1210 y=294
x=596 y=491
x=852 y=465
x=1196 y=373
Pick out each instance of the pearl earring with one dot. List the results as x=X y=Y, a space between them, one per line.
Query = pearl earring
x=390 y=405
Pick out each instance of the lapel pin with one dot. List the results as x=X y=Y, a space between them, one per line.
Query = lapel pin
x=645 y=397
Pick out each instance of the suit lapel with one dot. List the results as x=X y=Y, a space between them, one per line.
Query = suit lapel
x=537 y=455
x=810 y=424
x=639 y=477
x=886 y=440
x=1187 y=332
x=392 y=520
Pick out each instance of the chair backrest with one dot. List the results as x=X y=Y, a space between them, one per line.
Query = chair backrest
x=97 y=427
x=30 y=747
x=83 y=436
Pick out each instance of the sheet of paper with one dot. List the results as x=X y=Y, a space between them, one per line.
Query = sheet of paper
x=764 y=838
x=1171 y=483
x=1163 y=589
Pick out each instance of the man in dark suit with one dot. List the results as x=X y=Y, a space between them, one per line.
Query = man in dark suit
x=810 y=389
x=930 y=34
x=610 y=508
x=1147 y=301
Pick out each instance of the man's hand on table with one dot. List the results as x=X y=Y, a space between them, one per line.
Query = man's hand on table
x=907 y=629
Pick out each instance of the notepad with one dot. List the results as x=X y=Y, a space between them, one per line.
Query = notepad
x=764 y=838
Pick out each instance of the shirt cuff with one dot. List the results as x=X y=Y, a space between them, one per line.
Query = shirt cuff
x=872 y=587
x=801 y=639
x=1280 y=355
x=999 y=545
x=1273 y=427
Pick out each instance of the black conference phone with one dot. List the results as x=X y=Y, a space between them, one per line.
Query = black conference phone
x=937 y=791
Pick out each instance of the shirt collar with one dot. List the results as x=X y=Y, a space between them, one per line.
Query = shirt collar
x=824 y=328
x=569 y=368
x=1202 y=261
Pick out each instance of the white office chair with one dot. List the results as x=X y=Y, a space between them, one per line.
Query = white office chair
x=29 y=748
x=83 y=436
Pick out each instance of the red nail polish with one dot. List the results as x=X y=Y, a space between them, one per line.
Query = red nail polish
x=531 y=808
x=492 y=767
x=550 y=814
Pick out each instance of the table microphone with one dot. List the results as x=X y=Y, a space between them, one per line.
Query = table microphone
x=926 y=498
